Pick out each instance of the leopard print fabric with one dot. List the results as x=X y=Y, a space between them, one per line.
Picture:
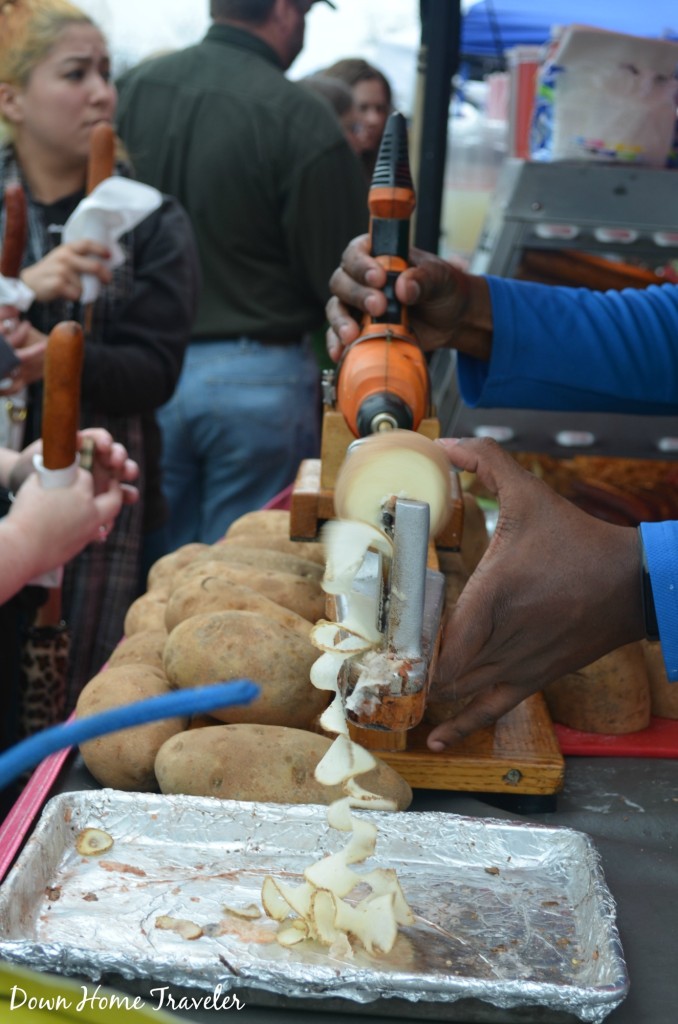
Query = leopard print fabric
x=42 y=695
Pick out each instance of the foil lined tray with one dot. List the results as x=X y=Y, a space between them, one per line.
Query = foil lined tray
x=511 y=919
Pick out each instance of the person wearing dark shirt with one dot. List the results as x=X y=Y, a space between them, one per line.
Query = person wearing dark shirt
x=274 y=194
x=54 y=88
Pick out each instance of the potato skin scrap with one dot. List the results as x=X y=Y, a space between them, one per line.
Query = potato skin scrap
x=261 y=763
x=245 y=645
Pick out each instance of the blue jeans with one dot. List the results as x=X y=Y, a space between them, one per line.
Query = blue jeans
x=242 y=418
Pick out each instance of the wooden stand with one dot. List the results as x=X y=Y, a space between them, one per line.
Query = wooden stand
x=519 y=754
x=312 y=501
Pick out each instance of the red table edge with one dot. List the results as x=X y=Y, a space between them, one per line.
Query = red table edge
x=28 y=805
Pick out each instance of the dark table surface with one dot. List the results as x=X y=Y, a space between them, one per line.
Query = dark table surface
x=629 y=808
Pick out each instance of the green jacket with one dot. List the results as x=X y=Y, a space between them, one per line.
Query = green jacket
x=261 y=165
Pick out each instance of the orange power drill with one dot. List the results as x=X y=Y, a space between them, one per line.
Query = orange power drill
x=382 y=379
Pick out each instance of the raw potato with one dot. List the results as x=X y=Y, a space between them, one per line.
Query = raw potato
x=263 y=558
x=311 y=550
x=610 y=696
x=262 y=763
x=214 y=594
x=143 y=648
x=162 y=571
x=147 y=613
x=303 y=596
x=124 y=759
x=274 y=522
x=663 y=694
x=245 y=645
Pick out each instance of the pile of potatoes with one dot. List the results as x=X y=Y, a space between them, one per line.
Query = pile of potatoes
x=241 y=608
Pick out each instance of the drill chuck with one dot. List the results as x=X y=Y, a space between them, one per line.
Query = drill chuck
x=383 y=411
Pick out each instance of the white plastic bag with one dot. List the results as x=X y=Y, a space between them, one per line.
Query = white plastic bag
x=610 y=98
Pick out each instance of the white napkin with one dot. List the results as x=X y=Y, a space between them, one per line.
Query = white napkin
x=13 y=292
x=114 y=207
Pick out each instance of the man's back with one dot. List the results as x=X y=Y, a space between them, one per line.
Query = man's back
x=271 y=188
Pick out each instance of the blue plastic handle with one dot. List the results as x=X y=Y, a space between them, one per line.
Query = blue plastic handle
x=31 y=751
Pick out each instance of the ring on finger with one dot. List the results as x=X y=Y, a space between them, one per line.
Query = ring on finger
x=104 y=531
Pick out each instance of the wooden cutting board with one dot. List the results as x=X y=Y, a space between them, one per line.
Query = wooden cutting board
x=519 y=754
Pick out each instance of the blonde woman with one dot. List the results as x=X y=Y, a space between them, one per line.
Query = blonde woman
x=55 y=87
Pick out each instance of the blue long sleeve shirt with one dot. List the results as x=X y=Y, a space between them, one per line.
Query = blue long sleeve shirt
x=575 y=349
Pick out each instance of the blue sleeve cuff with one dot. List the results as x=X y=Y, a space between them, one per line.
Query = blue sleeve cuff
x=661 y=551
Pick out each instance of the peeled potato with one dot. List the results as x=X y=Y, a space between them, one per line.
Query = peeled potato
x=396 y=464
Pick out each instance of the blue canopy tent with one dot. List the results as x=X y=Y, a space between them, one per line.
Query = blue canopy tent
x=491 y=27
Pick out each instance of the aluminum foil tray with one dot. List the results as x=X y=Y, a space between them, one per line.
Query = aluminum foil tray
x=512 y=919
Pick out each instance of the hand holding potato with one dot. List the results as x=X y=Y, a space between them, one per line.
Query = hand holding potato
x=555 y=590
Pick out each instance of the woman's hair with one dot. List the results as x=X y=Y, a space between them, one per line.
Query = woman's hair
x=28 y=31
x=336 y=92
x=354 y=69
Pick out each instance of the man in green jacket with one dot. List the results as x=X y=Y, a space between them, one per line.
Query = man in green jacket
x=274 y=195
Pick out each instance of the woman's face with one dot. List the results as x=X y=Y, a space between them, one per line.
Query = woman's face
x=373 y=110
x=353 y=129
x=66 y=95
